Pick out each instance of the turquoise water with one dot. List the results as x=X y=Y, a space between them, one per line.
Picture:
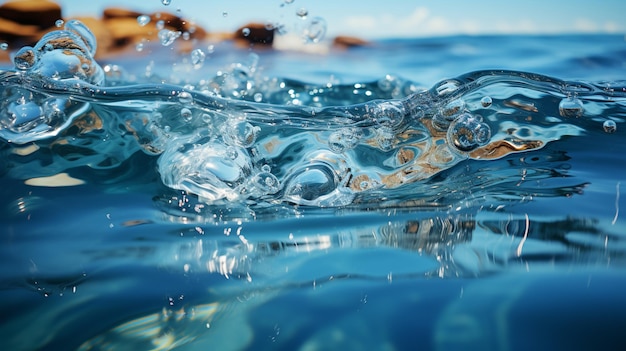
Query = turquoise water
x=412 y=194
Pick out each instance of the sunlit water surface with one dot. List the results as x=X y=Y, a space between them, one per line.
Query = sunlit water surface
x=410 y=194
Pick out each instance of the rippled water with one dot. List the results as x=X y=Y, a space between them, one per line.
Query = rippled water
x=440 y=197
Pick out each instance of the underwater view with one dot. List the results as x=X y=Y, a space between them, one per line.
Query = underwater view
x=400 y=193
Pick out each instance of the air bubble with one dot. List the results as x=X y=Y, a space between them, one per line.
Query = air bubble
x=344 y=140
x=143 y=20
x=245 y=31
x=609 y=126
x=315 y=30
x=184 y=97
x=266 y=168
x=186 y=114
x=467 y=133
x=25 y=58
x=302 y=13
x=486 y=101
x=242 y=134
x=571 y=107
x=447 y=114
x=206 y=118
x=59 y=23
x=264 y=183
x=167 y=37
x=231 y=153
x=197 y=58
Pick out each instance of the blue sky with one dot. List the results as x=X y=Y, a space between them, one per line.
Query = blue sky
x=391 y=18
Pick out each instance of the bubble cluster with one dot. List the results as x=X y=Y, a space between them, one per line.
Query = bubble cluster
x=59 y=56
x=468 y=132
x=448 y=113
x=168 y=37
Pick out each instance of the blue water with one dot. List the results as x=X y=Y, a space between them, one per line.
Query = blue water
x=442 y=193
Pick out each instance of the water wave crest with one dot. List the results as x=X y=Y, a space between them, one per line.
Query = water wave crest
x=241 y=138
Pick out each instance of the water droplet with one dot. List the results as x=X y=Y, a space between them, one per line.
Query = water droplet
x=242 y=134
x=315 y=31
x=59 y=23
x=288 y=1
x=245 y=31
x=143 y=20
x=224 y=14
x=186 y=114
x=184 y=97
x=609 y=126
x=139 y=47
x=486 y=101
x=302 y=13
x=468 y=132
x=4 y=46
x=197 y=58
x=160 y=24
x=571 y=107
x=25 y=58
x=166 y=2
x=258 y=97
x=167 y=37
x=186 y=36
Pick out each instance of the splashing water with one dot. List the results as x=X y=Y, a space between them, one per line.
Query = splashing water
x=213 y=145
x=251 y=194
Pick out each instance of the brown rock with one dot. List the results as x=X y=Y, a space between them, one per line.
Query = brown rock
x=125 y=31
x=343 y=41
x=254 y=33
x=14 y=33
x=39 y=13
x=117 y=12
x=100 y=31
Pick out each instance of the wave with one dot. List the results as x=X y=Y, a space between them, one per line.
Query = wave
x=254 y=141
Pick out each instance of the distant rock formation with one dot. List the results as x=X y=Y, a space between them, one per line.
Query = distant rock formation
x=23 y=22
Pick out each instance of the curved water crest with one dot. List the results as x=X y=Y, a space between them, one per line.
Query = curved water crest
x=240 y=138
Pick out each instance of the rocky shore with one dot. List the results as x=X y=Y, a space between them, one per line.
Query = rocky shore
x=23 y=22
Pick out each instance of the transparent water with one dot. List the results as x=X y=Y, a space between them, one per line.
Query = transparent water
x=411 y=194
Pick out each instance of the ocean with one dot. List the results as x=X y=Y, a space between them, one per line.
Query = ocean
x=438 y=193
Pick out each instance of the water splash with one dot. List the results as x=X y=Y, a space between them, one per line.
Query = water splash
x=214 y=137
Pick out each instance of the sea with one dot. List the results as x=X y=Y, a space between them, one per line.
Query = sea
x=443 y=193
